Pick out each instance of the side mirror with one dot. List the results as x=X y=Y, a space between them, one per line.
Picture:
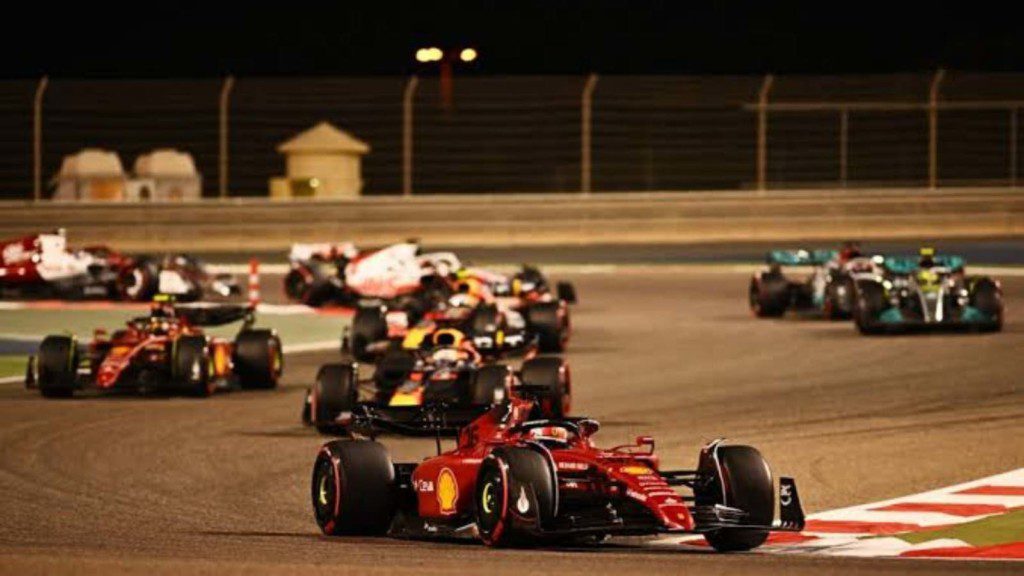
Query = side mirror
x=589 y=427
x=646 y=442
x=99 y=334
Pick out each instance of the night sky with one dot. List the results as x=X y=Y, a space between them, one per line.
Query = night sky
x=513 y=37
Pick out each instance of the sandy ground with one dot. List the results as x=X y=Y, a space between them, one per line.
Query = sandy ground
x=156 y=485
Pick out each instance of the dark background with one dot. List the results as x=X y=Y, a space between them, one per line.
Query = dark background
x=187 y=39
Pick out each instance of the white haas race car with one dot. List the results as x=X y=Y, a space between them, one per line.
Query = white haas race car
x=43 y=266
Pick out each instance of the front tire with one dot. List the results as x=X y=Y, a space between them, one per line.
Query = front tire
x=57 y=366
x=741 y=480
x=368 y=327
x=335 y=391
x=353 y=488
x=869 y=303
x=516 y=496
x=190 y=366
x=140 y=281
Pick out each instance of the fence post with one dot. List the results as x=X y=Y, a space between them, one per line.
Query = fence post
x=844 y=145
x=407 y=126
x=1013 y=147
x=37 y=139
x=585 y=133
x=933 y=128
x=762 y=132
x=225 y=98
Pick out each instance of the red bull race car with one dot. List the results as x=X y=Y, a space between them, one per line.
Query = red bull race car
x=449 y=379
x=165 y=351
x=42 y=266
x=513 y=480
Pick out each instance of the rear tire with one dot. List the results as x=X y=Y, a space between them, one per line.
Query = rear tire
x=190 y=366
x=489 y=386
x=368 y=326
x=392 y=371
x=744 y=482
x=768 y=295
x=840 y=299
x=518 y=479
x=57 y=366
x=988 y=298
x=550 y=376
x=550 y=321
x=353 y=488
x=566 y=292
x=335 y=391
x=258 y=359
x=307 y=283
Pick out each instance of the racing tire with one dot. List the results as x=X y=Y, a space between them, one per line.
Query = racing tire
x=566 y=292
x=550 y=378
x=190 y=366
x=368 y=326
x=742 y=480
x=258 y=359
x=57 y=367
x=768 y=295
x=353 y=488
x=516 y=496
x=335 y=391
x=140 y=281
x=839 y=299
x=988 y=299
x=489 y=386
x=550 y=322
x=868 y=304
x=308 y=284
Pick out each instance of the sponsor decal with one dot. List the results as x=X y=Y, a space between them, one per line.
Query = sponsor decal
x=423 y=485
x=636 y=470
x=785 y=494
x=447 y=491
x=636 y=495
x=576 y=466
x=523 y=503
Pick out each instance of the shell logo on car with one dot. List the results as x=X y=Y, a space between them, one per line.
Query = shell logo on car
x=447 y=491
x=635 y=470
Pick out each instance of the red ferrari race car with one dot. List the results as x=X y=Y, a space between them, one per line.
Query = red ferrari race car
x=165 y=351
x=516 y=481
x=450 y=380
x=42 y=266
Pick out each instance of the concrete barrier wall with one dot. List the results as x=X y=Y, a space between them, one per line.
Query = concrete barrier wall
x=239 y=225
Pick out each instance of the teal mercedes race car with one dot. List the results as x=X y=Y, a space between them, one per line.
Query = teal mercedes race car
x=931 y=291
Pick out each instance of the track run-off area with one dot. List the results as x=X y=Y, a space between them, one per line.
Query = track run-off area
x=221 y=485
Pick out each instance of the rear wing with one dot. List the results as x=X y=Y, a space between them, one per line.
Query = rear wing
x=215 y=314
x=910 y=264
x=801 y=257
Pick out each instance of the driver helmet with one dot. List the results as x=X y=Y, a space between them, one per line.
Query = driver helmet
x=927 y=258
x=849 y=251
x=448 y=338
x=549 y=434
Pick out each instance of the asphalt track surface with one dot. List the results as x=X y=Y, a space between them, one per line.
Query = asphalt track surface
x=169 y=486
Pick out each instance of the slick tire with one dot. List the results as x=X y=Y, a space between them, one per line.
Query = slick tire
x=742 y=481
x=57 y=367
x=190 y=366
x=515 y=496
x=839 y=299
x=489 y=386
x=868 y=304
x=307 y=283
x=768 y=295
x=368 y=326
x=392 y=371
x=566 y=292
x=335 y=391
x=988 y=298
x=140 y=281
x=550 y=322
x=258 y=359
x=550 y=378
x=485 y=320
x=353 y=488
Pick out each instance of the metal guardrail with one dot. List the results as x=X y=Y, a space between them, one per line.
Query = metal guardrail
x=541 y=134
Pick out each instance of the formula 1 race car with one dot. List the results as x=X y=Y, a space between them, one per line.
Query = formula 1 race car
x=516 y=481
x=931 y=291
x=496 y=330
x=397 y=275
x=43 y=266
x=825 y=286
x=165 y=351
x=408 y=386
